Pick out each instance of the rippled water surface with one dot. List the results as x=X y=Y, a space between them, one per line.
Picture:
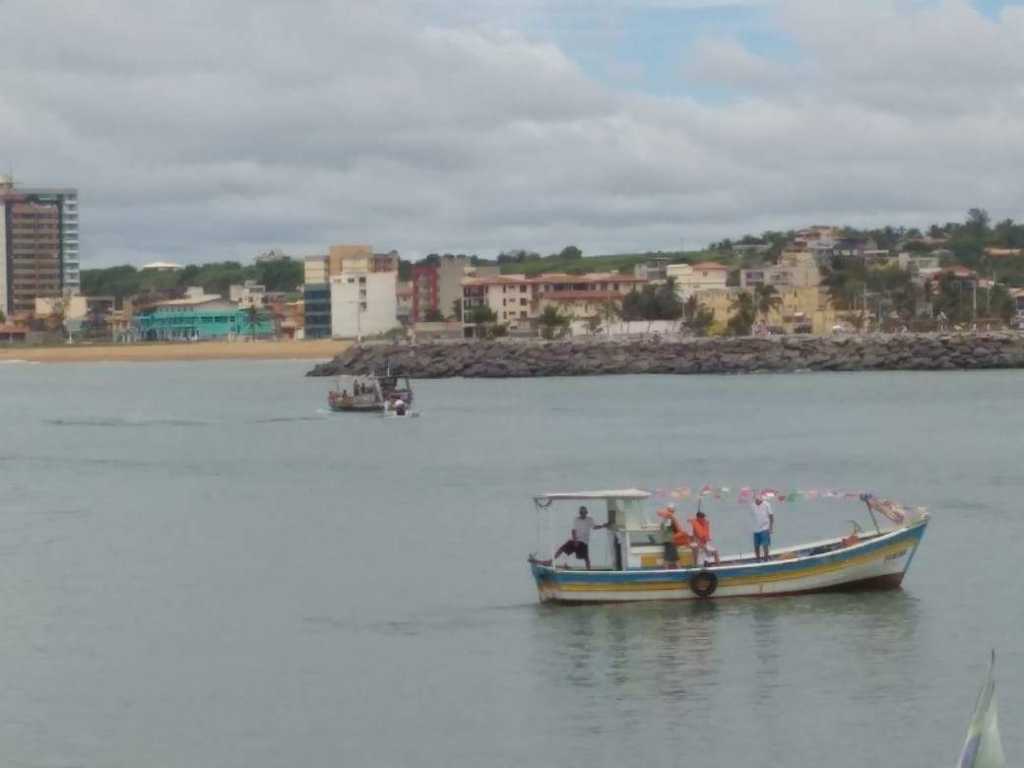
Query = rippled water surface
x=202 y=567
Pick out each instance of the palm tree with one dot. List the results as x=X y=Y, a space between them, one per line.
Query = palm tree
x=696 y=318
x=253 y=317
x=610 y=312
x=766 y=298
x=744 y=314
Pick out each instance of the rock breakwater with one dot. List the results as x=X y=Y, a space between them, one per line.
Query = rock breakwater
x=595 y=356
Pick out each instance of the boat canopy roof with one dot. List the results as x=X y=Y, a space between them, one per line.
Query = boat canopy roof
x=628 y=493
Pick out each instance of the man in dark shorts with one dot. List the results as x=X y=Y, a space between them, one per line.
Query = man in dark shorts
x=579 y=542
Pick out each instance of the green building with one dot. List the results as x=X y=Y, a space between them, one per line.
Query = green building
x=198 y=319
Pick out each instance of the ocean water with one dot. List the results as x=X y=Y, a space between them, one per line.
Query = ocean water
x=202 y=567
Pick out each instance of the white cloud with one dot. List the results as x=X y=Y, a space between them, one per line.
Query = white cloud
x=212 y=130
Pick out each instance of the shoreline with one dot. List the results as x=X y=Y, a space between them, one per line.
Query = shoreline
x=159 y=352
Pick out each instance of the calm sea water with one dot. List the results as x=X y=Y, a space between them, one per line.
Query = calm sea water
x=201 y=567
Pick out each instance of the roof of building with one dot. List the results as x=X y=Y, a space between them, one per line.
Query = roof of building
x=161 y=265
x=710 y=265
x=580 y=295
x=193 y=301
x=554 y=277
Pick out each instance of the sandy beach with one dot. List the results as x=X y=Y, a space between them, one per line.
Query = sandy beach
x=314 y=349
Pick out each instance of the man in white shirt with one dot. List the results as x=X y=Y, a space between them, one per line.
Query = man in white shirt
x=579 y=543
x=764 y=524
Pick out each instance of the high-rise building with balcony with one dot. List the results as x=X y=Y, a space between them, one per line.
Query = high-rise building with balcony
x=39 y=255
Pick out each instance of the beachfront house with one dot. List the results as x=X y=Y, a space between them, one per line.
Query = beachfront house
x=200 y=317
x=516 y=301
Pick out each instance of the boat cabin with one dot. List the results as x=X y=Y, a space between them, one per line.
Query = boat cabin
x=636 y=534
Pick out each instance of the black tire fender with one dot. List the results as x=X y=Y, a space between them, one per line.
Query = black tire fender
x=704 y=583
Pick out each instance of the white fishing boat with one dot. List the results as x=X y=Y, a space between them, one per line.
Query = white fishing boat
x=862 y=560
x=983 y=748
x=371 y=394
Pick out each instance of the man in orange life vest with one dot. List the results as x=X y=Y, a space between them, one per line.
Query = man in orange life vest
x=677 y=536
x=702 y=546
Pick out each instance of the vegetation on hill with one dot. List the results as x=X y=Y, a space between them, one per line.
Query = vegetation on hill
x=281 y=275
x=572 y=261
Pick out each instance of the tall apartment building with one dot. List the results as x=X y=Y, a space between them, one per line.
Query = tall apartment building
x=438 y=286
x=363 y=304
x=321 y=285
x=38 y=245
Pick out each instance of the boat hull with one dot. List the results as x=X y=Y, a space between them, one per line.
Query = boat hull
x=874 y=564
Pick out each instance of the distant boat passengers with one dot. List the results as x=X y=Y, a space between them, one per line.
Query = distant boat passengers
x=579 y=541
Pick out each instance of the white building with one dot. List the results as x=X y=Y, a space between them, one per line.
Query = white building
x=363 y=304
x=695 y=278
x=248 y=294
x=796 y=269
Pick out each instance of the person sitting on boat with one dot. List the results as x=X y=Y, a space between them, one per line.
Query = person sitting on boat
x=703 y=549
x=677 y=537
x=579 y=541
x=399 y=406
x=764 y=524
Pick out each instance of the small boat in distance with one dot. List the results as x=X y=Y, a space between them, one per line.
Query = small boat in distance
x=371 y=394
x=983 y=748
x=863 y=560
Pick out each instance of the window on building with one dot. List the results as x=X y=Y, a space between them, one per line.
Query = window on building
x=362 y=305
x=522 y=302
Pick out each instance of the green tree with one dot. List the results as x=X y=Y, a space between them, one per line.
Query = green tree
x=279 y=275
x=457 y=309
x=1001 y=303
x=766 y=299
x=667 y=304
x=977 y=223
x=743 y=315
x=483 y=319
x=610 y=312
x=433 y=315
x=553 y=323
x=697 y=318
x=253 y=316
x=570 y=253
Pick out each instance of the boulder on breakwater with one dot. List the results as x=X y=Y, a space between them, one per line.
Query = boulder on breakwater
x=507 y=358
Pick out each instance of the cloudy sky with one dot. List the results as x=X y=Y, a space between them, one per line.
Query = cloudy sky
x=209 y=129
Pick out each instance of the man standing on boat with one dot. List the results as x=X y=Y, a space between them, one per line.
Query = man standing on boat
x=677 y=537
x=703 y=549
x=764 y=524
x=579 y=543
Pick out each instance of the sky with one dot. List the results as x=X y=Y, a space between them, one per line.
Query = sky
x=205 y=130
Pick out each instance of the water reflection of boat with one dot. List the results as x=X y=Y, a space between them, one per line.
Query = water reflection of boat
x=865 y=560
x=983 y=748
x=370 y=394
